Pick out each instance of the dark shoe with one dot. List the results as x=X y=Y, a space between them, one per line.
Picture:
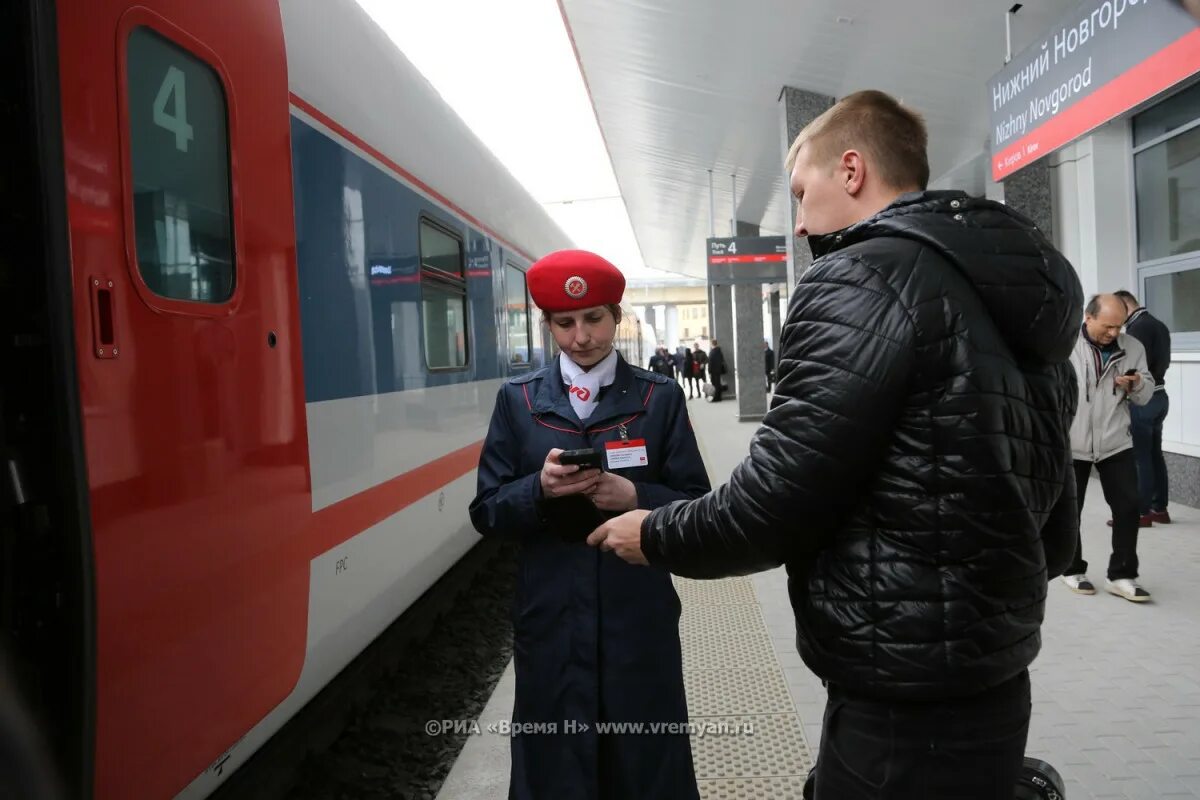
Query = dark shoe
x=1144 y=521
x=1161 y=517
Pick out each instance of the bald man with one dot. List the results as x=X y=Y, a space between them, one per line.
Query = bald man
x=1112 y=372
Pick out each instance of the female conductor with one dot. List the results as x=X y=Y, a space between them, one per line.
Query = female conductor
x=596 y=639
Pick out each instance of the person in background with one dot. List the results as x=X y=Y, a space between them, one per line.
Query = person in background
x=1112 y=373
x=769 y=364
x=662 y=364
x=699 y=369
x=684 y=366
x=716 y=370
x=595 y=639
x=1148 y=420
x=656 y=364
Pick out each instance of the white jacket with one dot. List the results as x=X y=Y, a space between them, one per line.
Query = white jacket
x=1101 y=425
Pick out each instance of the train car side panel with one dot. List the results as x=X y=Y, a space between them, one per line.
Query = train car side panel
x=175 y=119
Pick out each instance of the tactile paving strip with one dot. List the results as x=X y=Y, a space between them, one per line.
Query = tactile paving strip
x=783 y=788
x=762 y=746
x=727 y=591
x=698 y=618
x=704 y=651
x=719 y=692
x=748 y=743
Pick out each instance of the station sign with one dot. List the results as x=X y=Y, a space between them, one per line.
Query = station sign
x=1102 y=59
x=747 y=259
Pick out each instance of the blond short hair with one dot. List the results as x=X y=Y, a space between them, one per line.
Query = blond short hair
x=876 y=124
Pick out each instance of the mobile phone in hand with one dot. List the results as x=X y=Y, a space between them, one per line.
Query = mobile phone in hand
x=1129 y=373
x=584 y=458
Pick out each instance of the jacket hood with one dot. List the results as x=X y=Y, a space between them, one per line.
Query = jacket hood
x=1030 y=290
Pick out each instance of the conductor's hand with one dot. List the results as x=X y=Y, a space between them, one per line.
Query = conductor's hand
x=622 y=535
x=560 y=480
x=614 y=493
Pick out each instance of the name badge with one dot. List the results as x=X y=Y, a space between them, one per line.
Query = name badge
x=626 y=453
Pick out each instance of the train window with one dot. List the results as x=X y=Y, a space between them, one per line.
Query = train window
x=518 y=316
x=443 y=298
x=179 y=156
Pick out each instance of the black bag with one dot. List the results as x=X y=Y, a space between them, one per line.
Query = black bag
x=1038 y=781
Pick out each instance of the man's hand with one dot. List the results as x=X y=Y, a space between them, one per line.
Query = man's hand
x=560 y=480
x=623 y=536
x=614 y=493
x=1129 y=383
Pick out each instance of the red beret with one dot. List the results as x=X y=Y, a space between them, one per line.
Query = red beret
x=568 y=280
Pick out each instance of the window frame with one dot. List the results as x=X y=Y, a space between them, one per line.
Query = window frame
x=427 y=219
x=1180 y=340
x=528 y=363
x=1166 y=265
x=132 y=19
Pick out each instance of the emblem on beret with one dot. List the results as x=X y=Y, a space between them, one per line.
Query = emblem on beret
x=576 y=287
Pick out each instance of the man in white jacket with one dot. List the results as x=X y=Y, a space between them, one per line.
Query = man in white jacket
x=1112 y=372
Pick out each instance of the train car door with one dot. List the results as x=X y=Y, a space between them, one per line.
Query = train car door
x=177 y=156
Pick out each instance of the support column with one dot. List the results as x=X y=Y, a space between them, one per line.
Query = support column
x=671 y=328
x=1091 y=182
x=1028 y=191
x=748 y=342
x=797 y=108
x=722 y=327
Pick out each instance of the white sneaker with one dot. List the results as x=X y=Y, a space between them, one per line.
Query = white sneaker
x=1079 y=584
x=1127 y=588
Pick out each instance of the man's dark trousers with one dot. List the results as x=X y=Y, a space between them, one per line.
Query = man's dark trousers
x=1146 y=423
x=969 y=748
x=1119 y=480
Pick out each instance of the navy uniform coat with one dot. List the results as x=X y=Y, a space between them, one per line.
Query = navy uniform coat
x=596 y=639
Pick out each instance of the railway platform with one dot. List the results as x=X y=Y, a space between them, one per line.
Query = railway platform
x=1116 y=688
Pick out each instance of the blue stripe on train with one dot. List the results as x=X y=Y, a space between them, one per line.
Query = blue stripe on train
x=357 y=231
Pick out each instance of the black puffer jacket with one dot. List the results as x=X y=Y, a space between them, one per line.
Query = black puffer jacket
x=914 y=469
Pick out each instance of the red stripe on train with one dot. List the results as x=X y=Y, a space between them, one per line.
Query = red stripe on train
x=342 y=521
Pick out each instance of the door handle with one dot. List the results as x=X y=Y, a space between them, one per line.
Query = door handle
x=104 y=331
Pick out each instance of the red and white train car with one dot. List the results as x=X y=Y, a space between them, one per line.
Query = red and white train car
x=263 y=286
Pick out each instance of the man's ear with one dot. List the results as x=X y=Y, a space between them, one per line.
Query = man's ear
x=855 y=170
